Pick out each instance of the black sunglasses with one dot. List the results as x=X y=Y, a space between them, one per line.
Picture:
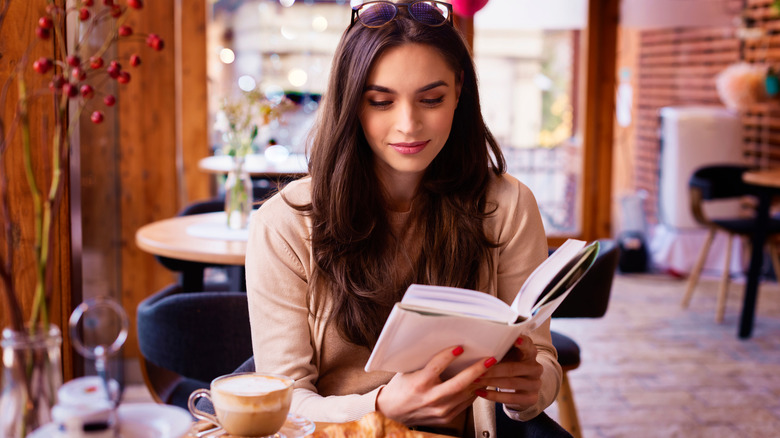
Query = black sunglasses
x=378 y=13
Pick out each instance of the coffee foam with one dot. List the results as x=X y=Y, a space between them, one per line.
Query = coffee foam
x=251 y=385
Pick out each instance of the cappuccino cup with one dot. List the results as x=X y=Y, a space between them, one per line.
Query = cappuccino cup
x=246 y=404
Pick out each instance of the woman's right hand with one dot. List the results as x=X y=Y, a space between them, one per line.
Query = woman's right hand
x=422 y=398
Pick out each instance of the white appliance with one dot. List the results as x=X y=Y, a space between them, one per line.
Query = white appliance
x=691 y=137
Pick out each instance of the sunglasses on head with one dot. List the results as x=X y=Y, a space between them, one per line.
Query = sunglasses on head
x=378 y=13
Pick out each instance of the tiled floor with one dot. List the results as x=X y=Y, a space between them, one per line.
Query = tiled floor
x=652 y=369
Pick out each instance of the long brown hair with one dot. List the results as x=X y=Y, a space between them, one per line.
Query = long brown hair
x=351 y=236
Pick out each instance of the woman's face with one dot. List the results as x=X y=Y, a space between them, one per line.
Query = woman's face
x=407 y=108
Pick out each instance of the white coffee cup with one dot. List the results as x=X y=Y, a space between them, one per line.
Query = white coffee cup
x=247 y=404
x=83 y=409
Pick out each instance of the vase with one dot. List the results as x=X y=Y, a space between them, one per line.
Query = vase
x=238 y=195
x=32 y=374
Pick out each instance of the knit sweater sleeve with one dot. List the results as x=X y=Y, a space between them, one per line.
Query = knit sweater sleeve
x=523 y=246
x=278 y=271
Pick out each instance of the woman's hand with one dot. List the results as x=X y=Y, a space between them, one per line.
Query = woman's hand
x=422 y=398
x=518 y=375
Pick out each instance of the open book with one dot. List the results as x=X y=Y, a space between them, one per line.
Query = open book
x=431 y=318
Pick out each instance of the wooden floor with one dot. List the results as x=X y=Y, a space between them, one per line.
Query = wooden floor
x=652 y=369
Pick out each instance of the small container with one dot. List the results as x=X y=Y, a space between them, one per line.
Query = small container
x=84 y=411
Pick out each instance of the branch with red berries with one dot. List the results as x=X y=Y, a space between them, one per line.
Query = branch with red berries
x=74 y=82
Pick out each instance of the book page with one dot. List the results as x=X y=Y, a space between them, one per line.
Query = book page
x=536 y=283
x=456 y=301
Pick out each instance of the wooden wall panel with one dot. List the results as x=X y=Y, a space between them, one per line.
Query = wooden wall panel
x=147 y=161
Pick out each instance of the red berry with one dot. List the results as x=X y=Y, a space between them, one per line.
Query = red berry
x=135 y=4
x=84 y=14
x=70 y=89
x=42 y=33
x=42 y=65
x=87 y=2
x=95 y=62
x=45 y=22
x=154 y=41
x=73 y=60
x=124 y=77
x=56 y=83
x=116 y=11
x=125 y=31
x=109 y=100
x=78 y=74
x=87 y=91
x=135 y=60
x=96 y=117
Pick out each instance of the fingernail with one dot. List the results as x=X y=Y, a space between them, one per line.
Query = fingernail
x=490 y=362
x=480 y=392
x=457 y=351
x=519 y=341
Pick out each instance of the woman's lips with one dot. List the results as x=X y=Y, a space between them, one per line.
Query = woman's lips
x=409 y=148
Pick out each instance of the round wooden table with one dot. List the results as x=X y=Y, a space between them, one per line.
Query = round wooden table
x=767 y=185
x=182 y=238
x=258 y=166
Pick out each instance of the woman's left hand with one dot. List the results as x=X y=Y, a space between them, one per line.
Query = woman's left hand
x=518 y=375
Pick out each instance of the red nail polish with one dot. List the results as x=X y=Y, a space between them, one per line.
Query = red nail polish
x=519 y=341
x=477 y=380
x=480 y=392
x=490 y=362
x=457 y=351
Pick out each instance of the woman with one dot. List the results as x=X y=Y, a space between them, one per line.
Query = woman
x=407 y=185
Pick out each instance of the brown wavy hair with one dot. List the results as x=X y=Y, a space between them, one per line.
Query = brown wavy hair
x=351 y=236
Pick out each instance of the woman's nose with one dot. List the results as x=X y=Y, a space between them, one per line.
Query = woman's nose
x=408 y=119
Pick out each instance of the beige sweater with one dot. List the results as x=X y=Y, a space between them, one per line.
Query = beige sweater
x=331 y=385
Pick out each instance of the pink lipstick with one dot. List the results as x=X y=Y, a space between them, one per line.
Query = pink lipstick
x=409 y=148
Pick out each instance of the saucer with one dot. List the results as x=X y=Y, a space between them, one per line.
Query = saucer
x=296 y=426
x=140 y=420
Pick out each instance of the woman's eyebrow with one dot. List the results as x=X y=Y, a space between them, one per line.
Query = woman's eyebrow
x=424 y=88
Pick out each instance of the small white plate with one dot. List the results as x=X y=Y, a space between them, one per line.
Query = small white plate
x=141 y=420
x=296 y=426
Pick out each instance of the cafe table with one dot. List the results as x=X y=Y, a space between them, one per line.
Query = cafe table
x=258 y=166
x=203 y=238
x=200 y=428
x=766 y=184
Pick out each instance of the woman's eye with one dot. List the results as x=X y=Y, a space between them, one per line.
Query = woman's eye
x=380 y=103
x=433 y=102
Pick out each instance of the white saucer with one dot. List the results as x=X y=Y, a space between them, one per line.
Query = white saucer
x=296 y=426
x=140 y=420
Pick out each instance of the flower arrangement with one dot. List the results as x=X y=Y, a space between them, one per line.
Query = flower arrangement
x=74 y=88
x=740 y=85
x=240 y=120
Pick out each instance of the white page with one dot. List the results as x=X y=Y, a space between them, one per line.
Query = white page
x=543 y=274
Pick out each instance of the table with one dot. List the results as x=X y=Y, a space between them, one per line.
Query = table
x=766 y=184
x=201 y=425
x=258 y=166
x=201 y=238
x=182 y=237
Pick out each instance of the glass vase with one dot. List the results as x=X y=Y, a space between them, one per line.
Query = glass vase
x=32 y=374
x=238 y=195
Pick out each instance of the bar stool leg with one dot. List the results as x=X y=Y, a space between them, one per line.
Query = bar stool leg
x=720 y=308
x=696 y=272
x=567 y=411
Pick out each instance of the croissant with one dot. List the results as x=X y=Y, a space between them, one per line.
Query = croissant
x=373 y=425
